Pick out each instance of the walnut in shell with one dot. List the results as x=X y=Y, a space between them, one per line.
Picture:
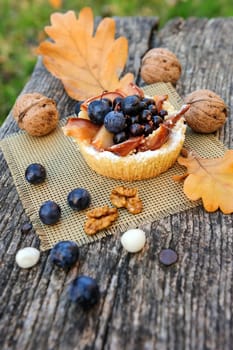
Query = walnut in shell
x=207 y=112
x=160 y=65
x=36 y=114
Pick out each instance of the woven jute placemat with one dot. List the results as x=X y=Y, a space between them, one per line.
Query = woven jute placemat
x=67 y=170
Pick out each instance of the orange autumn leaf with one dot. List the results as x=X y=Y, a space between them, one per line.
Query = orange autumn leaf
x=55 y=3
x=87 y=63
x=209 y=179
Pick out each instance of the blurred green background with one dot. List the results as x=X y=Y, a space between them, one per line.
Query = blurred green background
x=22 y=23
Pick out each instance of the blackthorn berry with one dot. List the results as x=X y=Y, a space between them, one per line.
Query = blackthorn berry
x=79 y=199
x=50 y=213
x=64 y=254
x=85 y=291
x=35 y=173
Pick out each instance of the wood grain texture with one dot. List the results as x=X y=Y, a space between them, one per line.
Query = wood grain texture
x=143 y=304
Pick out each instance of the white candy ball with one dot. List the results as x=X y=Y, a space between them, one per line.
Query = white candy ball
x=133 y=240
x=27 y=257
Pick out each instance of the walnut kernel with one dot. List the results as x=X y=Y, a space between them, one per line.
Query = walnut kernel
x=207 y=112
x=160 y=65
x=99 y=218
x=123 y=197
x=36 y=114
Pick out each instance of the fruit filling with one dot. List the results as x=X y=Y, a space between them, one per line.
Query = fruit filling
x=124 y=124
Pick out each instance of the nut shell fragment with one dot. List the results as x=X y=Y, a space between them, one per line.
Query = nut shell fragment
x=36 y=114
x=207 y=112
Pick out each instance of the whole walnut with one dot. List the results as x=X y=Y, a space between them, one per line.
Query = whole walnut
x=160 y=65
x=207 y=112
x=36 y=114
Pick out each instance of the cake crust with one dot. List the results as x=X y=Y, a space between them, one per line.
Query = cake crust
x=152 y=155
x=139 y=166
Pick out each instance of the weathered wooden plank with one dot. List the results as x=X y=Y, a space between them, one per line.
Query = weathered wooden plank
x=34 y=309
x=199 y=295
x=206 y=54
x=143 y=305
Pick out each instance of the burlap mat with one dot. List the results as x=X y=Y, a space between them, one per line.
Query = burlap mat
x=67 y=170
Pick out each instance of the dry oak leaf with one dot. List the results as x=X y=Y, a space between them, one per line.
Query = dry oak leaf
x=87 y=63
x=55 y=3
x=210 y=179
